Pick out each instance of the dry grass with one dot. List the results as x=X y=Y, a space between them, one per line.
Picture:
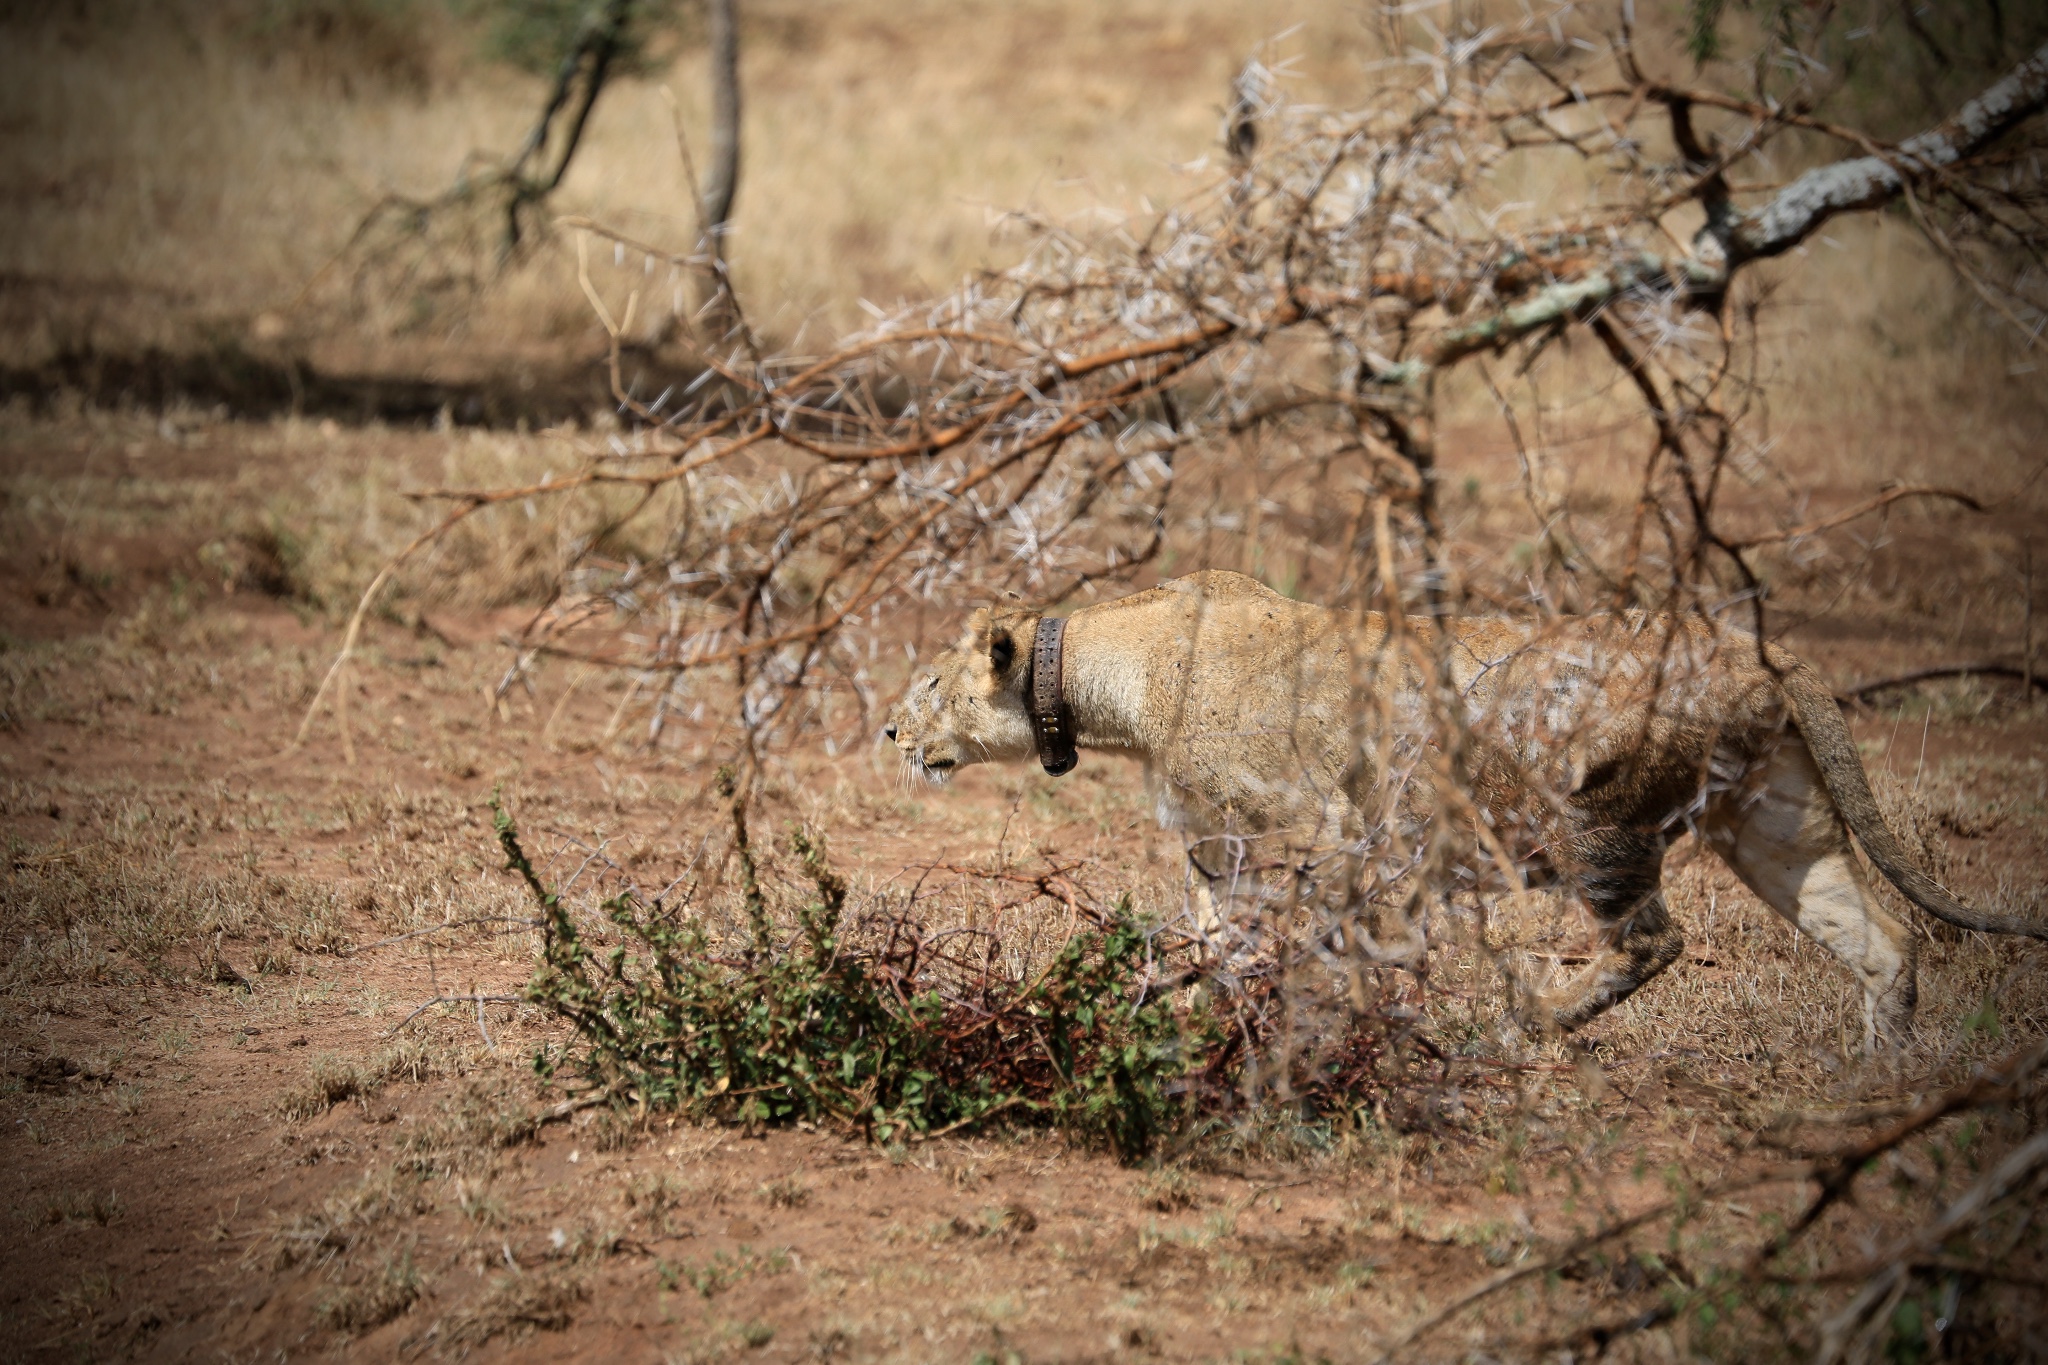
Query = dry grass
x=175 y=179
x=389 y=1292
x=336 y=1080
x=516 y=1304
x=374 y=1204
x=312 y=538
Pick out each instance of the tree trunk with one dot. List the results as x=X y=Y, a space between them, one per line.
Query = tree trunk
x=722 y=184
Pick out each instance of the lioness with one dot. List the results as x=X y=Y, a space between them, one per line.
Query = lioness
x=1595 y=741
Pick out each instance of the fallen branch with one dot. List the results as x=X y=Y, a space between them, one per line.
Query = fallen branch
x=1578 y=1248
x=1838 y=1170
x=1989 y=668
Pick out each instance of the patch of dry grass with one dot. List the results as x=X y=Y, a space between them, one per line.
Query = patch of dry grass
x=468 y=1129
x=388 y=1292
x=336 y=1080
x=157 y=525
x=177 y=177
x=379 y=1200
x=122 y=905
x=516 y=1304
x=97 y=1207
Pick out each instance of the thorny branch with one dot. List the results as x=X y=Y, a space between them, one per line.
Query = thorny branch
x=1000 y=438
x=1834 y=1174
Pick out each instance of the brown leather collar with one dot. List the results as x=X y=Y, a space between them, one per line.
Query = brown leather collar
x=1045 y=698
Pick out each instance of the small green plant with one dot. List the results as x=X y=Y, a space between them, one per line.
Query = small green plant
x=1168 y=1190
x=1355 y=1275
x=722 y=1270
x=810 y=1026
x=790 y=1192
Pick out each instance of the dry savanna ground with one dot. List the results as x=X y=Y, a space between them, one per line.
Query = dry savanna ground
x=230 y=1133
x=237 y=1124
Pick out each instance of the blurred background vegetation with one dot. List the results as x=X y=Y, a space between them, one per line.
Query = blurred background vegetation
x=188 y=176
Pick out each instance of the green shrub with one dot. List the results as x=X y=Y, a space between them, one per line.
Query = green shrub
x=808 y=1025
x=534 y=35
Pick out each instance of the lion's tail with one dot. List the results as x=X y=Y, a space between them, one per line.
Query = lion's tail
x=1841 y=767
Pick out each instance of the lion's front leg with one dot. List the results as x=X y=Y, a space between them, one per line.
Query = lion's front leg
x=1217 y=880
x=1202 y=901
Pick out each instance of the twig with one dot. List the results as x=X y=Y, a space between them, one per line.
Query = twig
x=568 y=1108
x=1862 y=509
x=1834 y=1172
x=478 y=1000
x=355 y=620
x=2018 y=1165
x=481 y=1026
x=1259 y=1190
x=442 y=928
x=958 y=1124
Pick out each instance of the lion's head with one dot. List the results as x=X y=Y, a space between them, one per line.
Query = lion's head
x=968 y=706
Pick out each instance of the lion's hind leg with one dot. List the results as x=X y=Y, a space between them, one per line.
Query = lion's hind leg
x=1619 y=876
x=1784 y=838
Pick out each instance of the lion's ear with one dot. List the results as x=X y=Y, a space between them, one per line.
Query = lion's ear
x=1002 y=651
x=977 y=625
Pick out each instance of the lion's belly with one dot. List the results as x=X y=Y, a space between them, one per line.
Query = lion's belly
x=1246 y=767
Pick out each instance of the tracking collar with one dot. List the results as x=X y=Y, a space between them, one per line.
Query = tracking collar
x=1051 y=721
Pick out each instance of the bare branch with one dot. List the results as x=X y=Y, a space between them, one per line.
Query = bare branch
x=1862 y=509
x=1989 y=668
x=1866 y=182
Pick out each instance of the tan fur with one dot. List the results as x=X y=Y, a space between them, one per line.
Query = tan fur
x=1595 y=741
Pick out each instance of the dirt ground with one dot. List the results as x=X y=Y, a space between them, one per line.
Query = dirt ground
x=231 y=1134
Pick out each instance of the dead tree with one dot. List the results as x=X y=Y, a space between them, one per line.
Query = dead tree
x=559 y=130
x=446 y=249
x=1027 y=412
